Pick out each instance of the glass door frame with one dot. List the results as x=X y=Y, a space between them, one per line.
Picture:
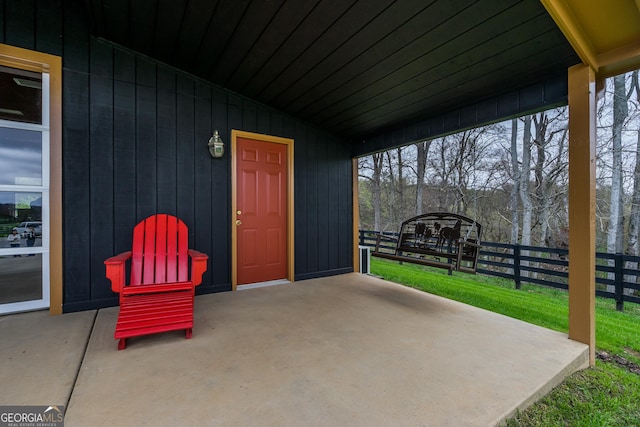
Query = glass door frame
x=43 y=191
x=51 y=66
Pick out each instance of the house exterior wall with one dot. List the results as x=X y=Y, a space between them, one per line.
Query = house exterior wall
x=134 y=143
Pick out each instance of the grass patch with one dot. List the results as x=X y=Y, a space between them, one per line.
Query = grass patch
x=605 y=395
x=601 y=396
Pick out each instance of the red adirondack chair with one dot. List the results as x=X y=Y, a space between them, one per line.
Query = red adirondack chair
x=159 y=296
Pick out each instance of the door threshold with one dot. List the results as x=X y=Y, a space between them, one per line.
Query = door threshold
x=262 y=284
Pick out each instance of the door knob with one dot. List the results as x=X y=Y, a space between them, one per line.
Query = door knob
x=238 y=222
x=239 y=212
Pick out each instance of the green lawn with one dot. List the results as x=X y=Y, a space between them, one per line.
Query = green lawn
x=606 y=395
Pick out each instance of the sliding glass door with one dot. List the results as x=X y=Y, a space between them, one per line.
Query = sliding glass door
x=24 y=190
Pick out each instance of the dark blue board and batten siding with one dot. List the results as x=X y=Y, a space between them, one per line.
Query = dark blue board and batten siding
x=134 y=140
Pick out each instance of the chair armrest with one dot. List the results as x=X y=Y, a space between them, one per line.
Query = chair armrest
x=116 y=270
x=198 y=266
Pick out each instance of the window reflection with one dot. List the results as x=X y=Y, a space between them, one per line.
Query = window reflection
x=21 y=99
x=20 y=219
x=20 y=278
x=20 y=157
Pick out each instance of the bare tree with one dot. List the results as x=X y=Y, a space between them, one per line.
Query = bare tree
x=439 y=165
x=462 y=163
x=634 y=221
x=620 y=113
x=515 y=186
x=391 y=201
x=423 y=151
x=527 y=205
x=634 y=217
x=375 y=178
x=550 y=167
x=400 y=184
x=453 y=165
x=540 y=124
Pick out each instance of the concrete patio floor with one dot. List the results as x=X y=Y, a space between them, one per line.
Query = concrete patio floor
x=349 y=350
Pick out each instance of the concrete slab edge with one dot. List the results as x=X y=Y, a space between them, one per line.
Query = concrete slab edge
x=579 y=363
x=84 y=355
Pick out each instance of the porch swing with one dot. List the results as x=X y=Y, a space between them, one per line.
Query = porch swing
x=437 y=239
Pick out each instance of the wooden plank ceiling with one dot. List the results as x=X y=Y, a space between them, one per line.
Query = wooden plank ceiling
x=354 y=67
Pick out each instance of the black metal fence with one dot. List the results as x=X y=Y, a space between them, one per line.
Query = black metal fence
x=617 y=275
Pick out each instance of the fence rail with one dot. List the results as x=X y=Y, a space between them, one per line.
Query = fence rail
x=617 y=275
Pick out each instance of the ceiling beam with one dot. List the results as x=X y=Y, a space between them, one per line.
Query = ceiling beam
x=570 y=26
x=620 y=59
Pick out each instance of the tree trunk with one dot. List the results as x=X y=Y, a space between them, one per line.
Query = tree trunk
x=558 y=170
x=634 y=221
x=423 y=152
x=393 y=206
x=541 y=122
x=377 y=191
x=620 y=112
x=459 y=161
x=527 y=206
x=515 y=188
x=443 y=173
x=400 y=186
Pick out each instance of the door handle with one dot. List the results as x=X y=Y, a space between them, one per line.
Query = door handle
x=238 y=222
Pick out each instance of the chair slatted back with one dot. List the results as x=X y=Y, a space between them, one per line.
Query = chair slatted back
x=160 y=251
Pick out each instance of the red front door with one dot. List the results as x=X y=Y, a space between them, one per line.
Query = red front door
x=261 y=215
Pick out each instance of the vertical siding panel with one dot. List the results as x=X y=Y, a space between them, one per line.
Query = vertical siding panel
x=124 y=147
x=322 y=195
x=101 y=214
x=277 y=127
x=301 y=180
x=166 y=166
x=234 y=105
x=312 y=231
x=75 y=153
x=75 y=161
x=124 y=66
x=221 y=196
x=199 y=237
x=185 y=153
x=75 y=39
x=2 y=22
x=333 y=211
x=263 y=119
x=49 y=27
x=345 y=208
x=289 y=129
x=249 y=121
x=146 y=154
x=20 y=24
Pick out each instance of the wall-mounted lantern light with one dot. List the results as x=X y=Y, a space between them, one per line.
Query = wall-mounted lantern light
x=216 y=146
